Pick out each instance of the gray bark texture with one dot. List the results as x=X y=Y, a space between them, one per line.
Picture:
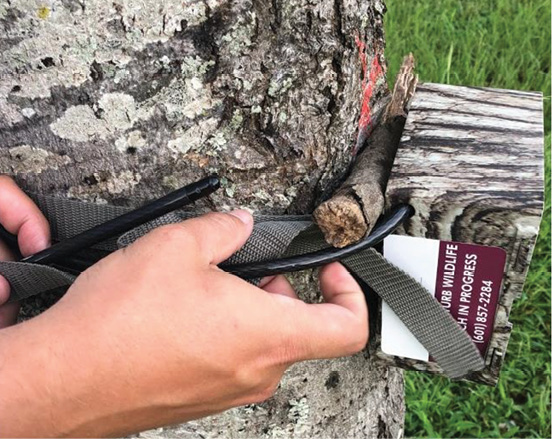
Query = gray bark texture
x=122 y=101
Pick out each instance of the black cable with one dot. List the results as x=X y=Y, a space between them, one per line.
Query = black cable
x=78 y=262
x=65 y=253
x=127 y=221
x=384 y=227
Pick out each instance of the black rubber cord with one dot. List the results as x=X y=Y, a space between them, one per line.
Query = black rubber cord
x=65 y=253
x=384 y=227
x=174 y=200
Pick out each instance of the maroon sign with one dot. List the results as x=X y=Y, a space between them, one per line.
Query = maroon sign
x=468 y=285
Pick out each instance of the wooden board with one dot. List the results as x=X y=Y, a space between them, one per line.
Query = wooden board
x=471 y=163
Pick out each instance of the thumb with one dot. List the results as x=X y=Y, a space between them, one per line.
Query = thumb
x=336 y=328
x=220 y=235
x=20 y=216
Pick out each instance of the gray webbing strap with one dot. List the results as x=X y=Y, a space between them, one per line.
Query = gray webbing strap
x=272 y=237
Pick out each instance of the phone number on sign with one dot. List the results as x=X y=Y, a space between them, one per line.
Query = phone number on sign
x=480 y=325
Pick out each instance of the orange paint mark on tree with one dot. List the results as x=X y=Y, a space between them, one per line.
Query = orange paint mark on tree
x=369 y=86
x=369 y=80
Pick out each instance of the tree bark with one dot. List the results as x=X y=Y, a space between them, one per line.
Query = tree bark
x=122 y=101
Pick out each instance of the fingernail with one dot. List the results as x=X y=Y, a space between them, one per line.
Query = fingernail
x=243 y=215
x=44 y=243
x=38 y=244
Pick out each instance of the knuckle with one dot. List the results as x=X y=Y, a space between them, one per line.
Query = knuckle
x=259 y=383
x=352 y=334
x=247 y=379
x=265 y=392
x=221 y=221
x=335 y=329
x=174 y=234
x=360 y=338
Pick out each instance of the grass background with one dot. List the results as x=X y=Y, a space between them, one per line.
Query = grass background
x=503 y=44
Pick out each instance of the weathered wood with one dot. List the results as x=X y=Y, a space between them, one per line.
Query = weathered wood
x=471 y=164
x=355 y=207
x=122 y=101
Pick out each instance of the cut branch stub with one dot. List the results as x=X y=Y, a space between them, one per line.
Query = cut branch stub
x=355 y=207
x=342 y=220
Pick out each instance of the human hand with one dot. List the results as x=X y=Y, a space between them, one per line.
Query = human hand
x=20 y=216
x=156 y=334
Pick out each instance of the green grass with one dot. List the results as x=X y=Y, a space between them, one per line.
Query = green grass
x=504 y=44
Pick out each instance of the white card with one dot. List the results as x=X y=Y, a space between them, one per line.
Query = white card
x=396 y=339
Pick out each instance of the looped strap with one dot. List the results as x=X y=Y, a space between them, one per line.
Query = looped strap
x=272 y=237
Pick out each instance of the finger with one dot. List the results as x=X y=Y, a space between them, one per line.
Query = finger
x=4 y=290
x=5 y=255
x=336 y=328
x=8 y=311
x=277 y=285
x=340 y=288
x=20 y=216
x=220 y=235
x=8 y=314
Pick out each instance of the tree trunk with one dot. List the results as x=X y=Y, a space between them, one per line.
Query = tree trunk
x=123 y=101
